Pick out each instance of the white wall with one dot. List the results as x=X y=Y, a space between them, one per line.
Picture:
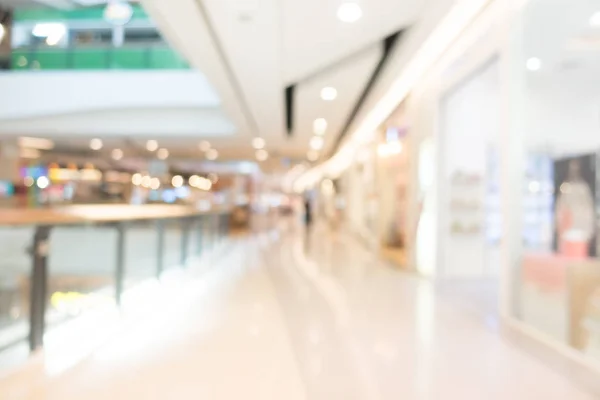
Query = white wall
x=176 y=122
x=36 y=94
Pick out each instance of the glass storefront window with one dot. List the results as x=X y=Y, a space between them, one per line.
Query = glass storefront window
x=557 y=48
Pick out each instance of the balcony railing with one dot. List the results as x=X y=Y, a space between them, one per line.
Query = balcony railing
x=97 y=58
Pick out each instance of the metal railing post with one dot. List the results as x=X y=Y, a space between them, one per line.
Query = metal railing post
x=120 y=262
x=160 y=248
x=185 y=233
x=38 y=287
x=199 y=234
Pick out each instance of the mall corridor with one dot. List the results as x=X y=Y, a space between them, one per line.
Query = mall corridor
x=276 y=317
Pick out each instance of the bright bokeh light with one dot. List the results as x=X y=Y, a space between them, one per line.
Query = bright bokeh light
x=258 y=143
x=151 y=145
x=316 y=143
x=204 y=145
x=320 y=126
x=146 y=181
x=349 y=12
x=214 y=178
x=96 y=144
x=162 y=154
x=118 y=12
x=212 y=154
x=177 y=181
x=154 y=183
x=28 y=181
x=534 y=64
x=49 y=29
x=329 y=93
x=594 y=20
x=136 y=179
x=117 y=154
x=43 y=182
x=312 y=155
x=262 y=155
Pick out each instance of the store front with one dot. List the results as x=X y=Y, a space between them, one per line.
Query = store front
x=556 y=62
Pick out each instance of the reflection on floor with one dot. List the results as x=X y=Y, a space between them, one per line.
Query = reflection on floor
x=278 y=317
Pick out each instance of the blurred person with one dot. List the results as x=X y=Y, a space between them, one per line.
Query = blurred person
x=307 y=212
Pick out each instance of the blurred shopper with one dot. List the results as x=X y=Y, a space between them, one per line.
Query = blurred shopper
x=307 y=212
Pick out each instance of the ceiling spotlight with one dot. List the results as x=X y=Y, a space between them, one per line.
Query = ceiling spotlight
x=177 y=181
x=258 y=143
x=349 y=12
x=96 y=144
x=162 y=154
x=316 y=143
x=117 y=154
x=151 y=145
x=212 y=154
x=329 y=93
x=262 y=155
x=594 y=20
x=534 y=64
x=204 y=145
x=320 y=126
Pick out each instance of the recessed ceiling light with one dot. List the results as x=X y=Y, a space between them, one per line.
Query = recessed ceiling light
x=329 y=93
x=316 y=143
x=595 y=19
x=212 y=154
x=534 y=64
x=151 y=145
x=117 y=154
x=258 y=143
x=162 y=154
x=349 y=12
x=262 y=155
x=96 y=144
x=204 y=145
x=320 y=126
x=312 y=155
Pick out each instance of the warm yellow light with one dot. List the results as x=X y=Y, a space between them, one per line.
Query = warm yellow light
x=177 y=181
x=212 y=154
x=154 y=183
x=136 y=179
x=117 y=154
x=96 y=144
x=151 y=145
x=262 y=155
x=258 y=143
x=162 y=154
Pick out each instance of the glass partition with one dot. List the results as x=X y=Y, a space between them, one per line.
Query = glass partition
x=557 y=93
x=15 y=266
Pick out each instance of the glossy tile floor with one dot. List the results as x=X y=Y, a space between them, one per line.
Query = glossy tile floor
x=274 y=317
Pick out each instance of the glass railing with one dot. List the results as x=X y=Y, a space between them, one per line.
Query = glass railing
x=58 y=269
x=97 y=58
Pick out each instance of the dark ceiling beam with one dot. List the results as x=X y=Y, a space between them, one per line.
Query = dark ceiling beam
x=388 y=44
